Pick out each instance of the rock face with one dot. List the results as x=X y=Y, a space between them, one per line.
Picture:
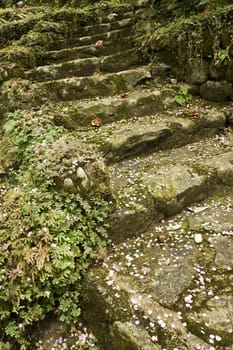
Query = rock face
x=167 y=169
x=199 y=48
x=215 y=90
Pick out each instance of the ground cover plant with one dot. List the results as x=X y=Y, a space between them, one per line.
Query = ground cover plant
x=49 y=234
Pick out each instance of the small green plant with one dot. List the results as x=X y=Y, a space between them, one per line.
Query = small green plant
x=183 y=96
x=202 y=3
x=222 y=57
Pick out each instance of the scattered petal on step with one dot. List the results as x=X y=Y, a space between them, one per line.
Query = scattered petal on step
x=175 y=227
x=197 y=209
x=198 y=237
x=97 y=122
x=99 y=42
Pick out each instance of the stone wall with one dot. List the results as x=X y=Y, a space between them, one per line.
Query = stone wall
x=198 y=47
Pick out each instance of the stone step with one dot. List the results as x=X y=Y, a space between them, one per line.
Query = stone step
x=84 y=67
x=170 y=287
x=86 y=51
x=24 y=94
x=148 y=134
x=107 y=11
x=113 y=36
x=25 y=30
x=23 y=57
x=136 y=103
x=147 y=189
x=106 y=27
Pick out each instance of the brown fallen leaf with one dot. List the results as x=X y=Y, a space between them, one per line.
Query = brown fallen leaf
x=192 y=112
x=124 y=95
x=97 y=122
x=161 y=238
x=97 y=73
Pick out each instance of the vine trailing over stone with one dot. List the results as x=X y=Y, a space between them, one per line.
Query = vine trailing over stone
x=49 y=234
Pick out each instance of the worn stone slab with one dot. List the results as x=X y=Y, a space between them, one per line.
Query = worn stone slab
x=127 y=222
x=147 y=188
x=174 y=187
x=105 y=10
x=136 y=103
x=135 y=137
x=213 y=218
x=149 y=134
x=86 y=51
x=215 y=90
x=83 y=67
x=121 y=293
x=79 y=67
x=127 y=336
x=108 y=26
x=27 y=94
x=144 y=280
x=218 y=316
x=222 y=167
x=112 y=36
x=223 y=247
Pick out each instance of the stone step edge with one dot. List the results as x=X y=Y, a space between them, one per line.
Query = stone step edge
x=104 y=27
x=94 y=50
x=112 y=109
x=113 y=35
x=147 y=310
x=98 y=65
x=157 y=201
x=148 y=134
x=25 y=94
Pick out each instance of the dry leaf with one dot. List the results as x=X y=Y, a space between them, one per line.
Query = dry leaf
x=97 y=122
x=192 y=112
x=96 y=73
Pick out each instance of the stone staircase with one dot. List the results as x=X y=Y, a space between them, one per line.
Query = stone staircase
x=167 y=281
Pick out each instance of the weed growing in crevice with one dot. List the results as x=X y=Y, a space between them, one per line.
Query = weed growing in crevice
x=183 y=96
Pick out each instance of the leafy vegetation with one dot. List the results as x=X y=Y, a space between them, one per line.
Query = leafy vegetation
x=49 y=236
x=183 y=96
x=222 y=57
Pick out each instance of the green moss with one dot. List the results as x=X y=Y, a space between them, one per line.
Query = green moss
x=193 y=38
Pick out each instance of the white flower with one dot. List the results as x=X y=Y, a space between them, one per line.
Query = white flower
x=218 y=338
x=154 y=338
x=34 y=190
x=188 y=299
